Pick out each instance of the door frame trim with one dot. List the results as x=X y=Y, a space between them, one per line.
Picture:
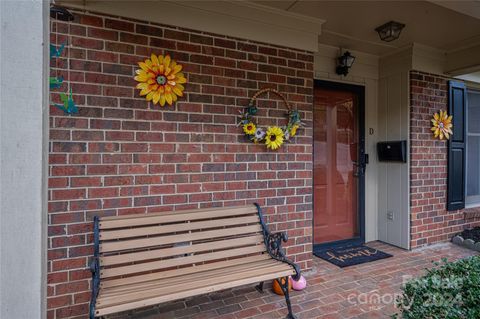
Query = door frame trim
x=360 y=90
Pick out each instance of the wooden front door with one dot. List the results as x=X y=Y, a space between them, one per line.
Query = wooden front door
x=339 y=163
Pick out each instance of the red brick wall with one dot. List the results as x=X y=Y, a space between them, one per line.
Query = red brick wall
x=430 y=222
x=120 y=155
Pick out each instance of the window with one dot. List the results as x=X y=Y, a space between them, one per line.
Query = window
x=473 y=149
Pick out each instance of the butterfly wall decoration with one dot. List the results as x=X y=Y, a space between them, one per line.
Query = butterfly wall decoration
x=68 y=105
x=56 y=82
x=56 y=53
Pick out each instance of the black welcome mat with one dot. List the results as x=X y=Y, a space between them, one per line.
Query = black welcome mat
x=349 y=256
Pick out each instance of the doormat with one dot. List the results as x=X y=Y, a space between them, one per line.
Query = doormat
x=349 y=256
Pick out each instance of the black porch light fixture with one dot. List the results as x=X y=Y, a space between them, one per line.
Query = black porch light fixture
x=345 y=62
x=390 y=31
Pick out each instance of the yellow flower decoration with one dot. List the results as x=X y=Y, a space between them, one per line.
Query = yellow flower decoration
x=442 y=125
x=293 y=130
x=160 y=79
x=249 y=128
x=274 y=137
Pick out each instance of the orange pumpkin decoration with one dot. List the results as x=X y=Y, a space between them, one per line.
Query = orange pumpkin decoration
x=278 y=289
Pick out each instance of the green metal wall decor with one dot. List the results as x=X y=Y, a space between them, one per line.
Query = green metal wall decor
x=68 y=105
x=56 y=82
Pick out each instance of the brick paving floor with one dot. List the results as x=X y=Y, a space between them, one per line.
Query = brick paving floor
x=363 y=291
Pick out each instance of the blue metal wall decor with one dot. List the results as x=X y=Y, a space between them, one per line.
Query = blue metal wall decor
x=56 y=53
x=68 y=106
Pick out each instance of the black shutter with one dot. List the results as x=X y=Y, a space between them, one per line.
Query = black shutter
x=457 y=106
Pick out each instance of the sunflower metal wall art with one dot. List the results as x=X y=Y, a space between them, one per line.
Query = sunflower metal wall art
x=272 y=136
x=442 y=125
x=160 y=79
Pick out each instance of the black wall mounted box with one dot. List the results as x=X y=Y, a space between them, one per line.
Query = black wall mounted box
x=392 y=151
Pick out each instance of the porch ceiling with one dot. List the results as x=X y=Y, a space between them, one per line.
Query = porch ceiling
x=471 y=8
x=449 y=32
x=351 y=24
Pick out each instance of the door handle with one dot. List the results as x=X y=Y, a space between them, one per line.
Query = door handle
x=360 y=166
x=363 y=162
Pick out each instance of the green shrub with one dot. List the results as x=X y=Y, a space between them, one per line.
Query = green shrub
x=448 y=291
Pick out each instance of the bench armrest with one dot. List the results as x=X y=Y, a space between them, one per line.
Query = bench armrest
x=273 y=242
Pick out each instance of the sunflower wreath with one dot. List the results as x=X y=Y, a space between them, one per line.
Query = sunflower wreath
x=272 y=136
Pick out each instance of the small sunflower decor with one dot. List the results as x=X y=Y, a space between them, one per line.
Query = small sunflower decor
x=442 y=125
x=272 y=136
x=160 y=79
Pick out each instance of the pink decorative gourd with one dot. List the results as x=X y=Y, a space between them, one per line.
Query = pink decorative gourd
x=300 y=284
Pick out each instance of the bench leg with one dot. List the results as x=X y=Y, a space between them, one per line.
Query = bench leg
x=259 y=287
x=92 y=310
x=284 y=286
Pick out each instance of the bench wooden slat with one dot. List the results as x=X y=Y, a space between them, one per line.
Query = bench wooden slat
x=172 y=239
x=155 y=288
x=175 y=262
x=179 y=227
x=176 y=212
x=151 y=219
x=190 y=293
x=206 y=283
x=107 y=283
x=211 y=273
x=200 y=274
x=176 y=251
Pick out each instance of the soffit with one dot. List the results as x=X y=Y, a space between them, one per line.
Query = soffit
x=470 y=8
x=473 y=77
x=351 y=24
x=242 y=19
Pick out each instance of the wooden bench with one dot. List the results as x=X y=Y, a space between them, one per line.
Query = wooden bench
x=144 y=260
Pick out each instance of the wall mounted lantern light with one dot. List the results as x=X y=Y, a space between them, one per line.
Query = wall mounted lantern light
x=390 y=31
x=345 y=62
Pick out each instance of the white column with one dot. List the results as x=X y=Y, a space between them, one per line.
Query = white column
x=23 y=157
